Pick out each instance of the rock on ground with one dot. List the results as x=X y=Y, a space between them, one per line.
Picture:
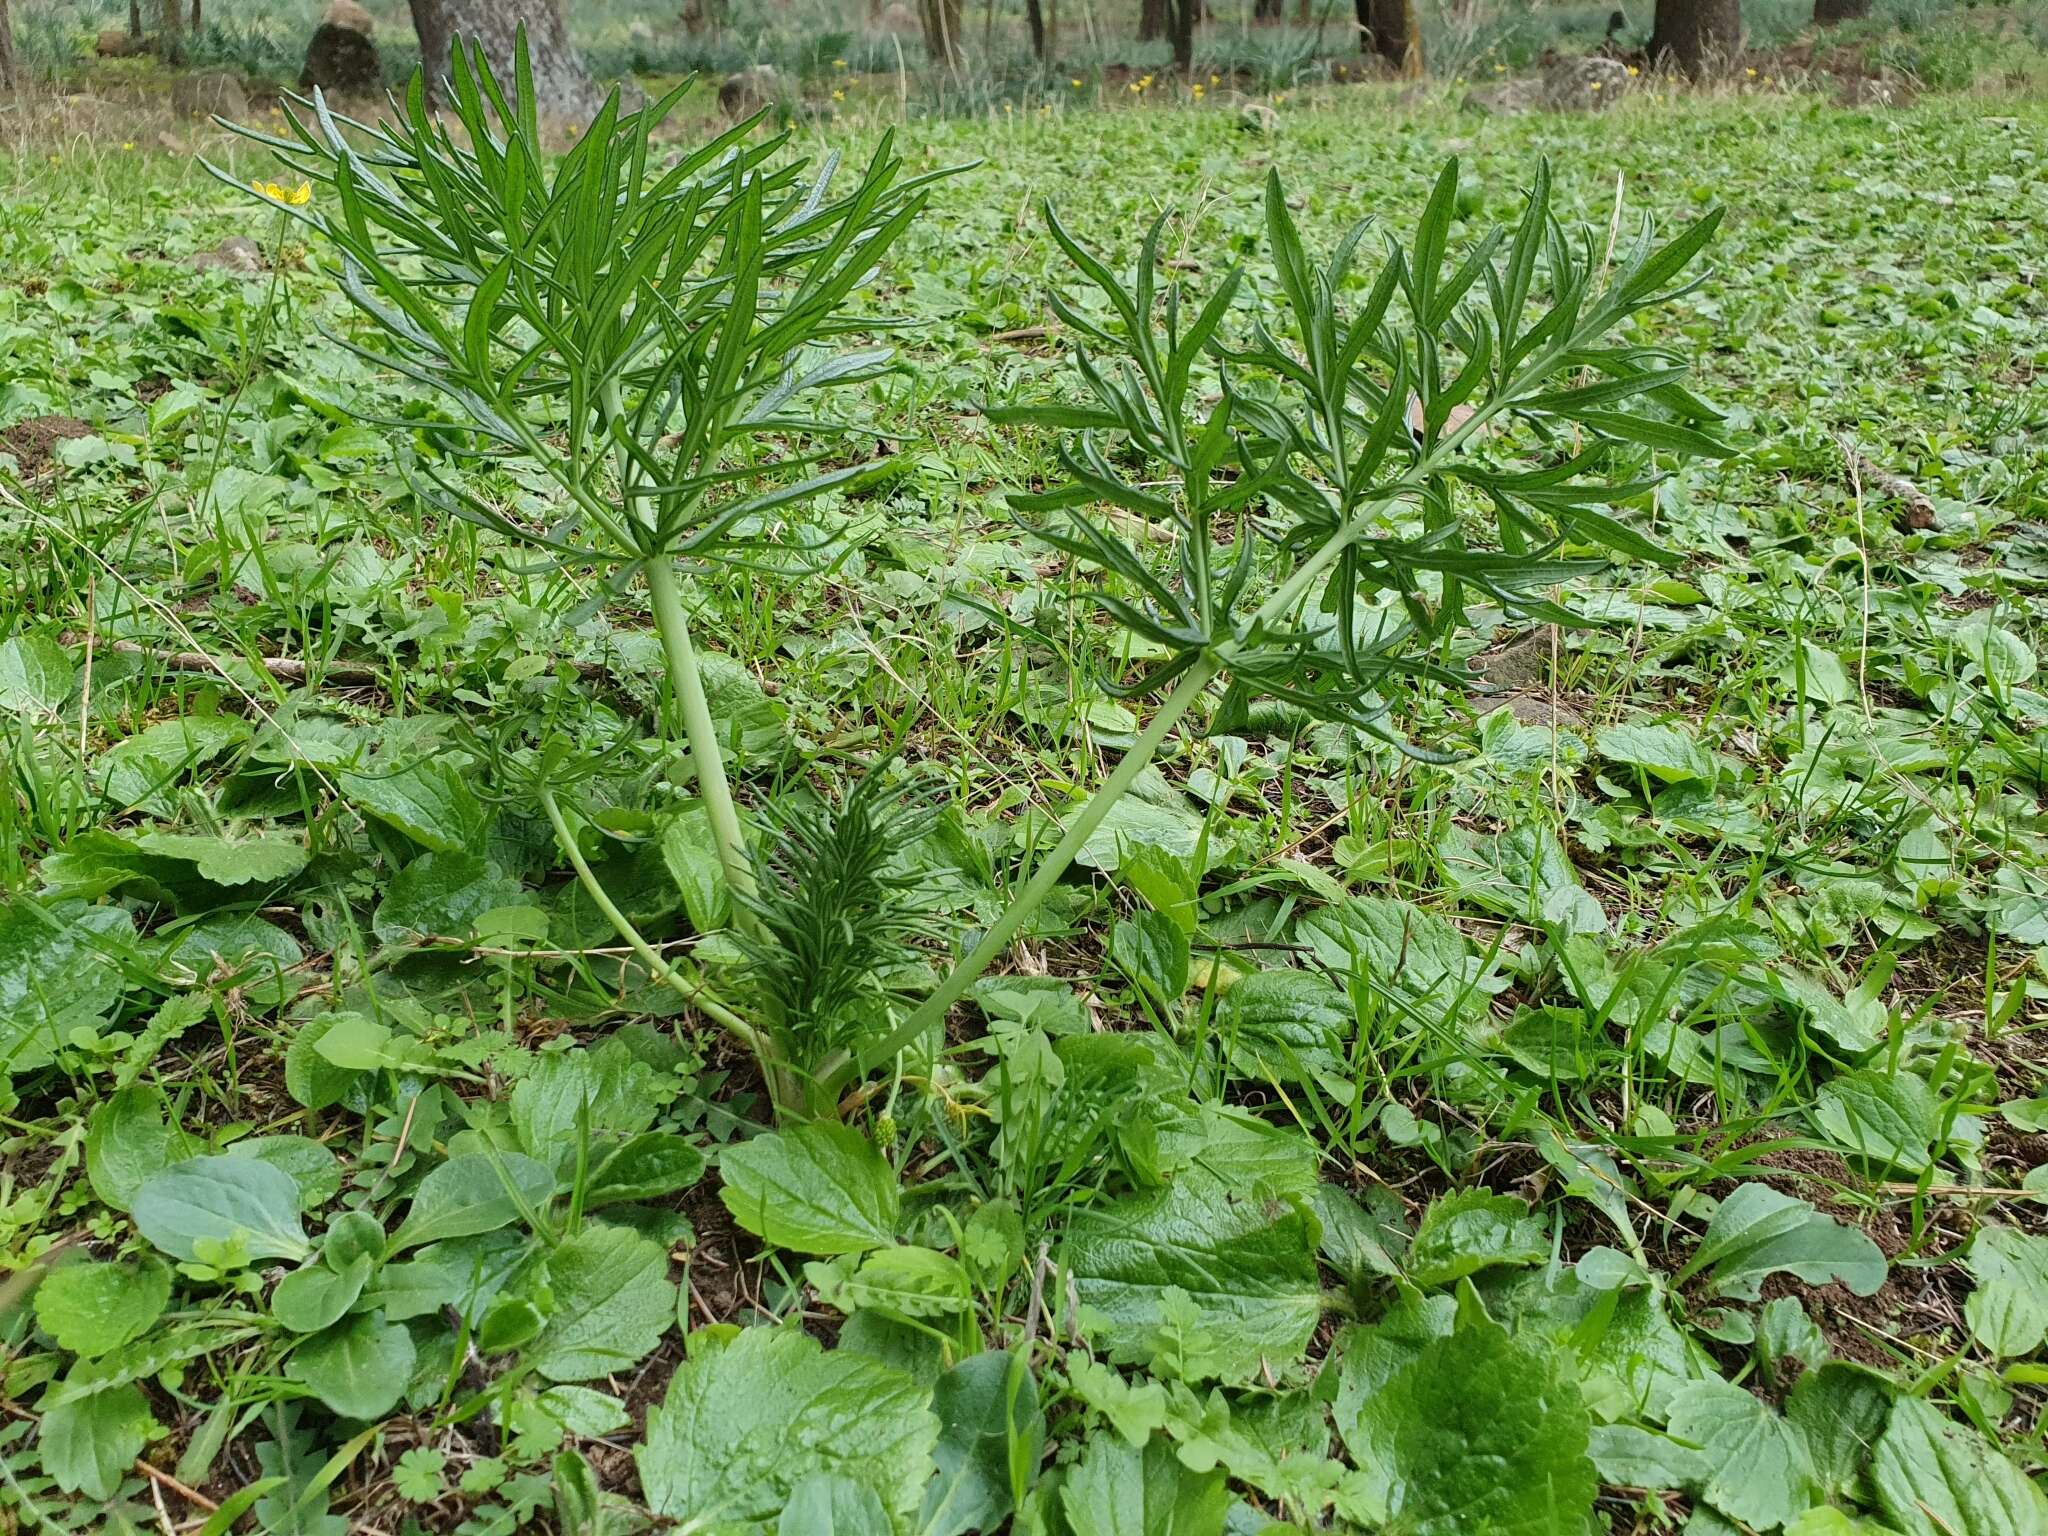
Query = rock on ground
x=341 y=56
x=749 y=91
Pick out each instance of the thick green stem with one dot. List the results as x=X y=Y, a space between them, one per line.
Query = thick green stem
x=702 y=733
x=693 y=992
x=1000 y=933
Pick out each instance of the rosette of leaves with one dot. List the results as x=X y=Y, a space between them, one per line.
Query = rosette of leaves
x=1323 y=503
x=646 y=330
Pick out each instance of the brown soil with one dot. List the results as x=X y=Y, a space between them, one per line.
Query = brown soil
x=34 y=442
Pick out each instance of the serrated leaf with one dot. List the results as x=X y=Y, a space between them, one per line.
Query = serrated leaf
x=2008 y=1310
x=1758 y=1467
x=1116 y=1489
x=612 y=1301
x=816 y=1188
x=35 y=675
x=92 y=1308
x=989 y=1421
x=1884 y=1118
x=430 y=801
x=1470 y=1230
x=745 y=1422
x=89 y=1443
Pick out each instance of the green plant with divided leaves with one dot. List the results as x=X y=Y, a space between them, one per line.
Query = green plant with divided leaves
x=649 y=333
x=1309 y=528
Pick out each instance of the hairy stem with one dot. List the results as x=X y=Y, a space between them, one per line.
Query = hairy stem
x=1000 y=933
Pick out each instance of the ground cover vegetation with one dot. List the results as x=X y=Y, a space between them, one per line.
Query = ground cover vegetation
x=731 y=827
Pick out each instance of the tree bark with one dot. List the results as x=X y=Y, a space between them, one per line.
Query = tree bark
x=1827 y=12
x=1152 y=22
x=6 y=48
x=560 y=79
x=1392 y=30
x=1695 y=35
x=1034 y=14
x=940 y=20
x=1184 y=14
x=170 y=29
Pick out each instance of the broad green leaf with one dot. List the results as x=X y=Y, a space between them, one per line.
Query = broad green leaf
x=1116 y=1489
x=1134 y=822
x=35 y=675
x=1665 y=752
x=1282 y=1026
x=690 y=851
x=1411 y=955
x=1885 y=1118
x=904 y=1282
x=430 y=801
x=316 y=1296
x=612 y=1301
x=1361 y=1241
x=1759 y=1470
x=649 y=1166
x=89 y=1443
x=2008 y=1310
x=745 y=1422
x=473 y=1193
x=92 y=1308
x=606 y=1089
x=441 y=894
x=1470 y=1230
x=359 y=1368
x=1243 y=1253
x=130 y=1140
x=229 y=861
x=1480 y=1431
x=1757 y=1232
x=312 y=1168
x=989 y=1423
x=59 y=971
x=1935 y=1477
x=235 y=1200
x=815 y=1188
x=1152 y=952
x=1840 y=1410
x=833 y=1504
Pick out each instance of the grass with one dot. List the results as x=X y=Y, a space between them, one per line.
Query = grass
x=1742 y=885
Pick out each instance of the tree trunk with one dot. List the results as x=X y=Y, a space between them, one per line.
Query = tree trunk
x=1696 y=35
x=1184 y=14
x=1034 y=14
x=1392 y=29
x=941 y=22
x=1152 y=22
x=560 y=80
x=195 y=18
x=170 y=29
x=6 y=48
x=135 y=19
x=1827 y=12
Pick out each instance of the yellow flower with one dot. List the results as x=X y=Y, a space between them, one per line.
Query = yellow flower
x=1751 y=73
x=1279 y=98
x=839 y=63
x=1215 y=79
x=1144 y=80
x=1009 y=107
x=838 y=95
x=1134 y=88
x=1500 y=69
x=1075 y=82
x=129 y=145
x=1592 y=85
x=1196 y=91
x=1633 y=71
x=290 y=197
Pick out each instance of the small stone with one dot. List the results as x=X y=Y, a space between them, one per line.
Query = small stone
x=341 y=57
x=749 y=91
x=209 y=93
x=1585 y=84
x=237 y=253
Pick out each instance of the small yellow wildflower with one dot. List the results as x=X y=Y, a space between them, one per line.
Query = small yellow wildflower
x=1592 y=85
x=1195 y=90
x=1075 y=82
x=1751 y=73
x=839 y=63
x=1633 y=71
x=1500 y=69
x=290 y=197
x=1134 y=88
x=1279 y=98
x=1145 y=80
x=838 y=95
x=129 y=145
